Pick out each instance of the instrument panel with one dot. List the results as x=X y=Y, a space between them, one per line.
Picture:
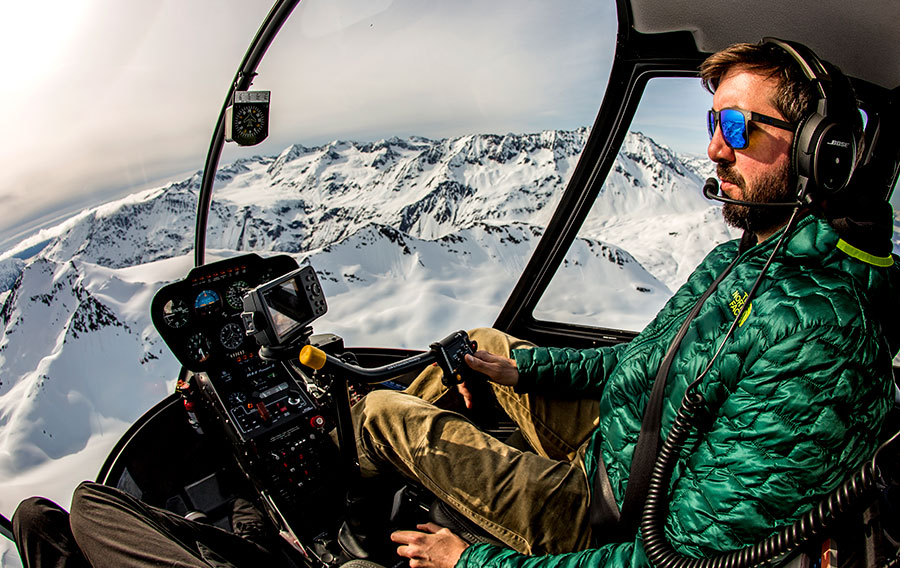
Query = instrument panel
x=278 y=430
x=199 y=317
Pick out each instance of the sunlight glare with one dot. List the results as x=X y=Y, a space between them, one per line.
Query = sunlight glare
x=38 y=33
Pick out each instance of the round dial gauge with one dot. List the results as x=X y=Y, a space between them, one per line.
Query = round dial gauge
x=207 y=302
x=235 y=294
x=176 y=313
x=198 y=347
x=249 y=121
x=232 y=335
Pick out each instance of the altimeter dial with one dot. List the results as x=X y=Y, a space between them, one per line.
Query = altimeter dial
x=234 y=296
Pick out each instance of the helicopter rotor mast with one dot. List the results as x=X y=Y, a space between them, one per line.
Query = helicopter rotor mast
x=270 y=27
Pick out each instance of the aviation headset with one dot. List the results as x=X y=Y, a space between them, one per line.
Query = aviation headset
x=824 y=152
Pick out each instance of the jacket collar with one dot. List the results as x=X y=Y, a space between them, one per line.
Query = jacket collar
x=816 y=239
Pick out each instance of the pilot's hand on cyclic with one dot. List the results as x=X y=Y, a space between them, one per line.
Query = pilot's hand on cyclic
x=502 y=370
x=433 y=547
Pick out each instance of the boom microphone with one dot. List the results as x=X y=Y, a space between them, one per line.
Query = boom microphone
x=711 y=191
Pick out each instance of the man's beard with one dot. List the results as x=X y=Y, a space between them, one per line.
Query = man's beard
x=775 y=187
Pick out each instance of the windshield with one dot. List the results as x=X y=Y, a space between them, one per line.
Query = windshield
x=416 y=151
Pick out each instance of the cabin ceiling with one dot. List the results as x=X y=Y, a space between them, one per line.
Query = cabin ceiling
x=861 y=37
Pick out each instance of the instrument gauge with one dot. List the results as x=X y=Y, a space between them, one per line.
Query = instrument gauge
x=231 y=336
x=207 y=302
x=234 y=296
x=198 y=347
x=249 y=124
x=176 y=313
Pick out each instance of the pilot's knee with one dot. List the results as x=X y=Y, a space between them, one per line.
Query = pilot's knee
x=383 y=410
x=496 y=341
x=483 y=333
x=379 y=403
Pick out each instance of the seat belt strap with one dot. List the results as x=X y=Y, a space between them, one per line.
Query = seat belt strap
x=606 y=519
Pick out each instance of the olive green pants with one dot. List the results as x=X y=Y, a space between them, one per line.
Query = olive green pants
x=535 y=502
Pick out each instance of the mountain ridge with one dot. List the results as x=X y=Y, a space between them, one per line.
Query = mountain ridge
x=427 y=193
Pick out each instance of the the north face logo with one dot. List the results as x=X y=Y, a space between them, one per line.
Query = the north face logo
x=737 y=303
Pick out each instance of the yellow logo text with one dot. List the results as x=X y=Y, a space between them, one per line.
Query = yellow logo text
x=737 y=303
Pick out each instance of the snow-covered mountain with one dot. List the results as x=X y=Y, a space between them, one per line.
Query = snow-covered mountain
x=308 y=198
x=411 y=238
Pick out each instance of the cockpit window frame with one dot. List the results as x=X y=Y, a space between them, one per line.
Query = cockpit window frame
x=627 y=84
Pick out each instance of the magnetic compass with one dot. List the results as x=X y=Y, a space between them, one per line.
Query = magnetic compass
x=247 y=119
x=249 y=122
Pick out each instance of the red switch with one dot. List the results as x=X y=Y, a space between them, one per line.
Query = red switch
x=263 y=411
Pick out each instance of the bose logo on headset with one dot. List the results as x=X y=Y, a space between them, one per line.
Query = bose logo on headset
x=824 y=149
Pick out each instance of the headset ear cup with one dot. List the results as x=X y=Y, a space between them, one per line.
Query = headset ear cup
x=801 y=159
x=824 y=156
x=834 y=158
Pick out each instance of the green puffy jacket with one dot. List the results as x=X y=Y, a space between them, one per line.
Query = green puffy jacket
x=797 y=394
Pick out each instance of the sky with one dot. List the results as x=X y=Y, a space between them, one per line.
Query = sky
x=108 y=97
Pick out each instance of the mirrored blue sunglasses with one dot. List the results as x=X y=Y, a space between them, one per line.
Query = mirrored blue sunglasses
x=734 y=125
